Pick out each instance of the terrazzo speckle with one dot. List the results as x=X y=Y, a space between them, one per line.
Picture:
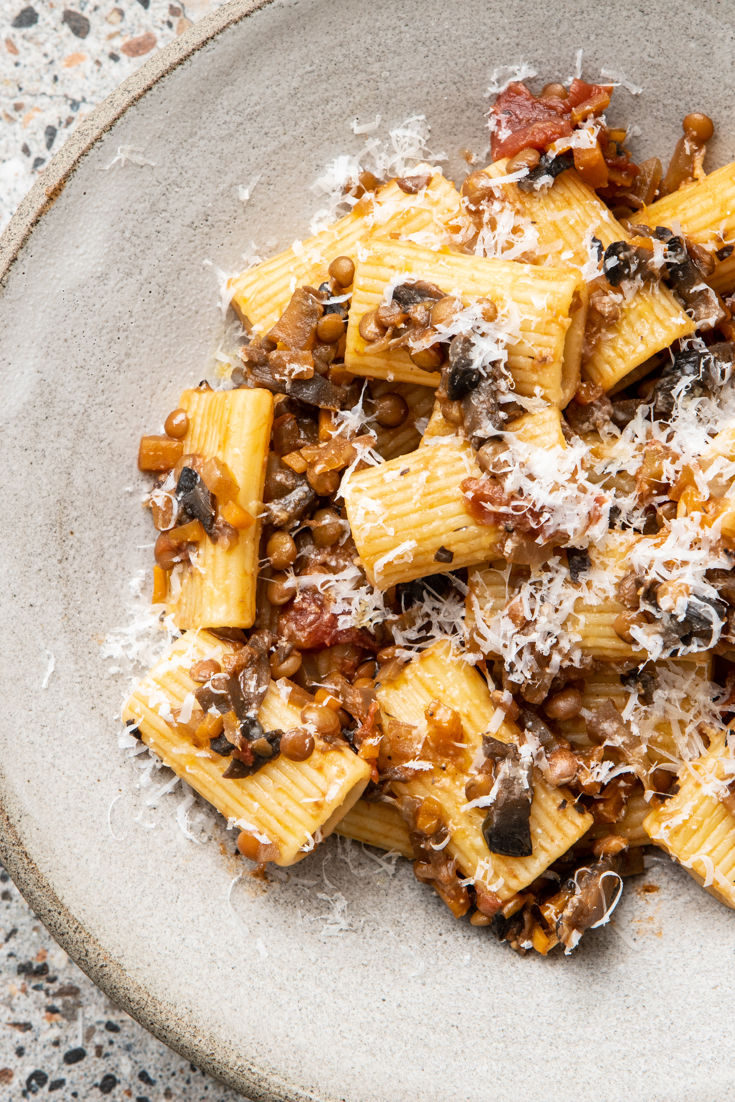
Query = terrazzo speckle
x=57 y=62
x=60 y=1037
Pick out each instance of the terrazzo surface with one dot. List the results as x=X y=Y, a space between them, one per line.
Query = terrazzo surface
x=60 y=1037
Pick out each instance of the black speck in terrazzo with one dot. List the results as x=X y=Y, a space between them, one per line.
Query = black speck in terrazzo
x=25 y=150
x=145 y=4
x=37 y=162
x=27 y=17
x=107 y=1083
x=74 y=1055
x=56 y=1084
x=112 y=1027
x=77 y=23
x=49 y=136
x=28 y=968
x=10 y=934
x=114 y=57
x=142 y=1098
x=145 y=1078
x=36 y=1081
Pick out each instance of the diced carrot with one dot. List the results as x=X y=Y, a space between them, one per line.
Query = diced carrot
x=295 y=461
x=158 y=453
x=219 y=480
x=160 y=585
x=590 y=164
x=191 y=532
x=236 y=516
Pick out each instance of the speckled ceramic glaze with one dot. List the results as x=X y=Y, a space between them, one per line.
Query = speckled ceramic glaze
x=106 y=311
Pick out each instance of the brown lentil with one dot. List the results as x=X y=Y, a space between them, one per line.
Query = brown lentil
x=202 y=671
x=324 y=720
x=553 y=90
x=610 y=846
x=167 y=552
x=368 y=328
x=526 y=158
x=428 y=359
x=330 y=328
x=177 y=424
x=342 y=270
x=281 y=588
x=444 y=310
x=281 y=550
x=391 y=410
x=564 y=705
x=366 y=669
x=478 y=785
x=297 y=744
x=324 y=483
x=285 y=667
x=326 y=527
x=698 y=126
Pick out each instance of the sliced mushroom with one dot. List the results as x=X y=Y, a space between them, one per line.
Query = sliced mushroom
x=195 y=499
x=595 y=892
x=507 y=826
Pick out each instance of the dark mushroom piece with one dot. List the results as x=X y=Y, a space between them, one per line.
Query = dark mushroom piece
x=686 y=274
x=195 y=499
x=547 y=167
x=595 y=891
x=285 y=511
x=412 y=292
x=693 y=371
x=316 y=391
x=507 y=825
x=579 y=562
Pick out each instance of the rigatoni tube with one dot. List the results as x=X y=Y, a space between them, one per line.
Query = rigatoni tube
x=261 y=293
x=217 y=588
x=286 y=805
x=556 y=822
x=408 y=516
x=534 y=306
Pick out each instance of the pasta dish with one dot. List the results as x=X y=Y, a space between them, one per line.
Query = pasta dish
x=450 y=549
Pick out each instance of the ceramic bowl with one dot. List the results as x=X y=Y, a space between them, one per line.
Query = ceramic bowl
x=345 y=979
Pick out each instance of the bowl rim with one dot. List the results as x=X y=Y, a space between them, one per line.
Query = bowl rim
x=161 y=1019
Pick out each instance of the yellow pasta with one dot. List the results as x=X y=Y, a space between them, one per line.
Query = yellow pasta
x=408 y=516
x=666 y=726
x=538 y=304
x=286 y=806
x=705 y=212
x=556 y=822
x=261 y=293
x=377 y=823
x=695 y=827
x=592 y=622
x=540 y=429
x=217 y=589
x=561 y=221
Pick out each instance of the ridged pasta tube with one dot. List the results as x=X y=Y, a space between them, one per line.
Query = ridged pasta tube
x=537 y=302
x=286 y=806
x=695 y=827
x=261 y=293
x=408 y=516
x=592 y=621
x=379 y=824
x=217 y=589
x=705 y=212
x=562 y=220
x=556 y=822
